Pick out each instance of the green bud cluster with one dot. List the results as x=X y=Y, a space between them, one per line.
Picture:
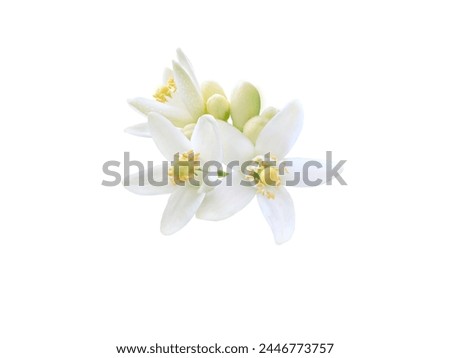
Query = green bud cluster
x=244 y=107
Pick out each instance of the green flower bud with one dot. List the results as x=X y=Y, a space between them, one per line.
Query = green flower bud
x=218 y=106
x=254 y=126
x=188 y=130
x=269 y=112
x=210 y=88
x=245 y=103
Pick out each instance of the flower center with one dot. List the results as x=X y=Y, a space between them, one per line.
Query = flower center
x=265 y=174
x=163 y=92
x=185 y=167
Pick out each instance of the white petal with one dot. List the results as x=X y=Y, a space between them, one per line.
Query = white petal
x=188 y=91
x=140 y=130
x=184 y=61
x=281 y=132
x=205 y=139
x=168 y=138
x=236 y=146
x=226 y=200
x=178 y=115
x=157 y=175
x=181 y=207
x=294 y=174
x=280 y=214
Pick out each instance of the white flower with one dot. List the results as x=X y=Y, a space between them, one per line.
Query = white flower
x=184 y=199
x=277 y=138
x=180 y=99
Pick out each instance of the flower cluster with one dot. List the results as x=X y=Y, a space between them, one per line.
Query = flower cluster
x=197 y=123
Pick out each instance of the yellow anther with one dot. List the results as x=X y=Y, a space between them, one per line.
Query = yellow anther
x=187 y=165
x=266 y=176
x=165 y=91
x=171 y=84
x=260 y=189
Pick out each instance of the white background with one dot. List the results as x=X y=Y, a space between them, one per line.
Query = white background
x=84 y=268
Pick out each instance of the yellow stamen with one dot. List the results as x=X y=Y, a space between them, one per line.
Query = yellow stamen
x=266 y=176
x=187 y=164
x=165 y=91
